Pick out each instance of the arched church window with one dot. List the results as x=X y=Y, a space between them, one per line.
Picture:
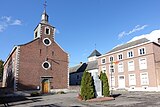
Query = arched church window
x=46 y=65
x=47 y=41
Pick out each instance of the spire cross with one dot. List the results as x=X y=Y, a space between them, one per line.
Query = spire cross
x=45 y=5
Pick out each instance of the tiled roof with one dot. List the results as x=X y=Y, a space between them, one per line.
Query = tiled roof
x=130 y=44
x=94 y=53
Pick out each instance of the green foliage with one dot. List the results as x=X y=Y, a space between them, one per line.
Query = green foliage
x=1 y=69
x=105 y=85
x=87 y=86
x=61 y=92
x=33 y=94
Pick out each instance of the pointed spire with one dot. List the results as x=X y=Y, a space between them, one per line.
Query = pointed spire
x=44 y=18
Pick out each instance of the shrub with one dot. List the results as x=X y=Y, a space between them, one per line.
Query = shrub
x=87 y=86
x=61 y=92
x=105 y=85
x=33 y=94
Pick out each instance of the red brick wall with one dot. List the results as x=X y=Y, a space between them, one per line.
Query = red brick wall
x=32 y=56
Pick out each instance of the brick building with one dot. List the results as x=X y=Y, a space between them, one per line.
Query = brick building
x=40 y=64
x=137 y=66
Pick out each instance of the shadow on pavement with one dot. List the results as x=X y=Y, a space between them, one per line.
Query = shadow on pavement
x=17 y=100
x=115 y=95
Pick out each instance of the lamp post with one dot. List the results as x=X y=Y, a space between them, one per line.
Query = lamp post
x=111 y=70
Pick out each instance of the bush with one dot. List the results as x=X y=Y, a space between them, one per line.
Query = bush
x=87 y=86
x=105 y=85
x=61 y=92
x=33 y=94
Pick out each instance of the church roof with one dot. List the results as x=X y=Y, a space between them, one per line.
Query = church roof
x=94 y=53
x=129 y=44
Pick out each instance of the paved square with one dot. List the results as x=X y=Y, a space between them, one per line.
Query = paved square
x=125 y=99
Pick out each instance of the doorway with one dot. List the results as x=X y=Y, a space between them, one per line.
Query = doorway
x=121 y=82
x=45 y=86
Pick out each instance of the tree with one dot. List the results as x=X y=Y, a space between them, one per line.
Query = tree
x=87 y=86
x=105 y=85
x=1 y=69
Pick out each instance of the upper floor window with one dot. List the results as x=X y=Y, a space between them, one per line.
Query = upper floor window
x=111 y=59
x=103 y=61
x=120 y=67
x=103 y=69
x=47 y=30
x=142 y=63
x=120 y=57
x=130 y=54
x=142 y=51
x=130 y=65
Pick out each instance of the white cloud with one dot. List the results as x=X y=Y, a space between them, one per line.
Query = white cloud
x=16 y=22
x=6 y=21
x=135 y=29
x=153 y=36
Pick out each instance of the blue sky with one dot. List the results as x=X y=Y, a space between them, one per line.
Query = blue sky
x=80 y=24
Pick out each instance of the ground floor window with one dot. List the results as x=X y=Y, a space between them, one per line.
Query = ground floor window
x=132 y=79
x=144 y=79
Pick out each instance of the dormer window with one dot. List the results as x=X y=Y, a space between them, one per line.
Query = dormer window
x=47 y=31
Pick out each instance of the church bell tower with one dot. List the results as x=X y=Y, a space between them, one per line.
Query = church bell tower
x=44 y=29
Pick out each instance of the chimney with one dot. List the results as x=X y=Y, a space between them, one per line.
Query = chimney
x=158 y=40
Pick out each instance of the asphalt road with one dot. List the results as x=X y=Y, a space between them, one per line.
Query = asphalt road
x=123 y=99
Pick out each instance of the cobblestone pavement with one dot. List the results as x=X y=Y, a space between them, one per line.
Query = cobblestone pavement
x=123 y=99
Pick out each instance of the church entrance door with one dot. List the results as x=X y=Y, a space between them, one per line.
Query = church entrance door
x=45 y=86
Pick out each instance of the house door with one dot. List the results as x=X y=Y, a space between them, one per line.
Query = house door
x=121 y=82
x=45 y=86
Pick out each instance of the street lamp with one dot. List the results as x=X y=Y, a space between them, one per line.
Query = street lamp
x=111 y=70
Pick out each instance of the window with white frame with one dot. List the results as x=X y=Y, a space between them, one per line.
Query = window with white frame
x=111 y=69
x=142 y=63
x=120 y=56
x=132 y=79
x=111 y=59
x=103 y=69
x=112 y=81
x=144 y=79
x=142 y=51
x=120 y=67
x=103 y=60
x=130 y=54
x=131 y=65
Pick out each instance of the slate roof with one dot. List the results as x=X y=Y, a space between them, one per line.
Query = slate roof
x=92 y=65
x=130 y=44
x=85 y=66
x=78 y=68
x=94 y=53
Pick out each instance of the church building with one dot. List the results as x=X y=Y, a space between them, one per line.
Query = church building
x=40 y=64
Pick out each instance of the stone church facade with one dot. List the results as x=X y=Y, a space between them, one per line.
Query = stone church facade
x=40 y=64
